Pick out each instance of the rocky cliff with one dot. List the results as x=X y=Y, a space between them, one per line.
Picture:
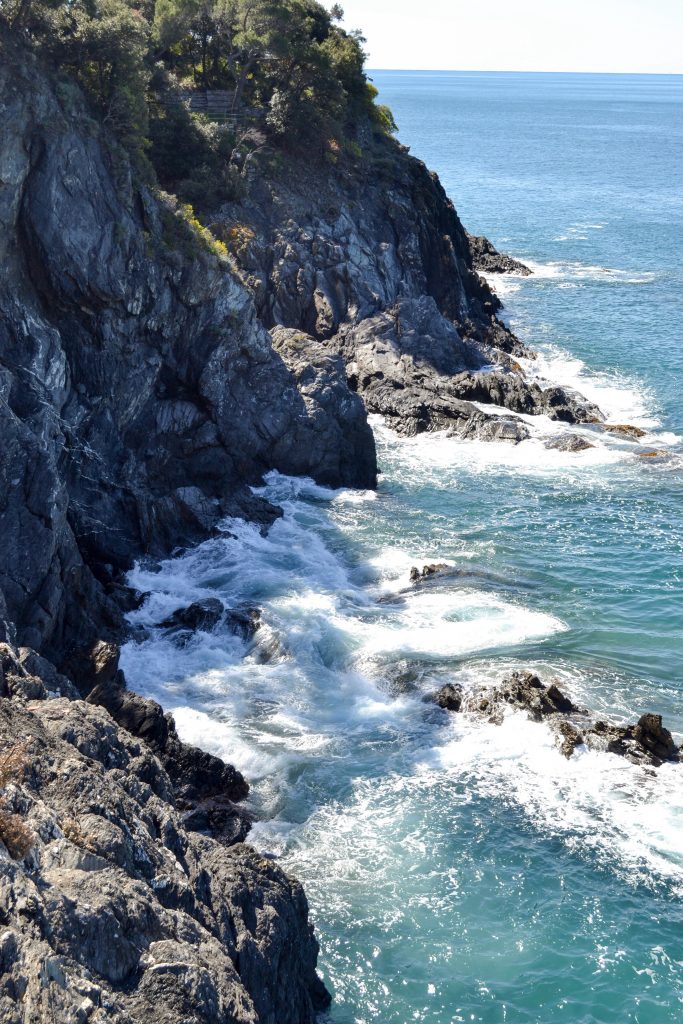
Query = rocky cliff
x=140 y=394
x=111 y=909
x=370 y=257
x=146 y=381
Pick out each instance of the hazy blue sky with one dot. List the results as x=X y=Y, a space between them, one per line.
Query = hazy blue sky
x=521 y=35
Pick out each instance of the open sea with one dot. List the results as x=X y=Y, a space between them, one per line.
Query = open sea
x=457 y=870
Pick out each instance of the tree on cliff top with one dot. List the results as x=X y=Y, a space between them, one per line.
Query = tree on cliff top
x=286 y=66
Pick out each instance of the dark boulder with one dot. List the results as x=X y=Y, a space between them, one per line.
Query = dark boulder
x=449 y=697
x=243 y=622
x=201 y=615
x=487 y=260
x=646 y=742
x=205 y=615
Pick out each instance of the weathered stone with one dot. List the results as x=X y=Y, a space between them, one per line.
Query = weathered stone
x=625 y=430
x=569 y=443
x=449 y=697
x=487 y=260
x=119 y=913
x=646 y=742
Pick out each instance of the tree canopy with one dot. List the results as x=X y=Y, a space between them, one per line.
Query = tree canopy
x=288 y=70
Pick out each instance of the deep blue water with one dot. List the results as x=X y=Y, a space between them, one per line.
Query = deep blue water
x=460 y=871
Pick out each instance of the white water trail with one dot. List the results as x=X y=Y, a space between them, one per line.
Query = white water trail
x=319 y=722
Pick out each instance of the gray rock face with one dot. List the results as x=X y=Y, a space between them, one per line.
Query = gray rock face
x=387 y=278
x=487 y=260
x=140 y=394
x=118 y=913
x=329 y=248
x=342 y=446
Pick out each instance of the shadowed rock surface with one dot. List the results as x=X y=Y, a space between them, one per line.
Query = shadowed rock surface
x=487 y=260
x=118 y=912
x=140 y=393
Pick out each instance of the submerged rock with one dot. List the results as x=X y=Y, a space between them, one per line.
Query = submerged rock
x=480 y=427
x=569 y=443
x=201 y=615
x=625 y=430
x=205 y=616
x=441 y=576
x=427 y=570
x=243 y=622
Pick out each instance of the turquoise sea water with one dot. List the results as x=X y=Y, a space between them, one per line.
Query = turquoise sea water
x=461 y=871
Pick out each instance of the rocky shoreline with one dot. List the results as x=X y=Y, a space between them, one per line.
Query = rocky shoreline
x=113 y=908
x=146 y=384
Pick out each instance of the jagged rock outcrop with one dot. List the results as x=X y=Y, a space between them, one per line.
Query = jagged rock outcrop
x=113 y=911
x=383 y=272
x=321 y=248
x=139 y=393
x=487 y=260
x=647 y=742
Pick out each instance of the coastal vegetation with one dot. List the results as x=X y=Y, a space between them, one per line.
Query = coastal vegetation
x=288 y=77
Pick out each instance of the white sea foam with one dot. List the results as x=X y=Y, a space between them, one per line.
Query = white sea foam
x=574 y=270
x=621 y=399
x=432 y=454
x=599 y=804
x=578 y=232
x=306 y=725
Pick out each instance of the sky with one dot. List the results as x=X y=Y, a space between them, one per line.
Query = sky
x=643 y=36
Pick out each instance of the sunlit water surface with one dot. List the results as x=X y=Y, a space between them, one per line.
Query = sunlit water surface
x=461 y=871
